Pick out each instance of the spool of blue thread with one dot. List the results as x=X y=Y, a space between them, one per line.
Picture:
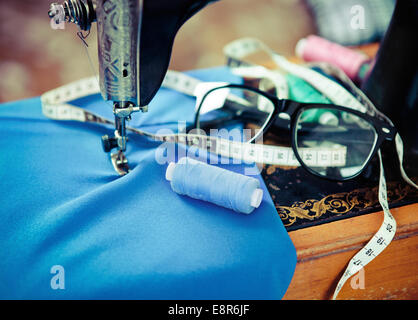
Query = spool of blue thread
x=225 y=188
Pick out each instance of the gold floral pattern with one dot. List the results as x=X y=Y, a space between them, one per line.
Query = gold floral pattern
x=341 y=203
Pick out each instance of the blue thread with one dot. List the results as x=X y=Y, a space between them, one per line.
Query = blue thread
x=225 y=188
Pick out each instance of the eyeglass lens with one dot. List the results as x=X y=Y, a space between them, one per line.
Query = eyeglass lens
x=333 y=143
x=235 y=113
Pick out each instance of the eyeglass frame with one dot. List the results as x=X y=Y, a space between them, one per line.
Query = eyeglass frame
x=384 y=130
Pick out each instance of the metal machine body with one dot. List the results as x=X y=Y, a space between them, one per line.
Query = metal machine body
x=135 y=39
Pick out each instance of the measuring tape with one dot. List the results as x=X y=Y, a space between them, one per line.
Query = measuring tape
x=350 y=97
x=55 y=105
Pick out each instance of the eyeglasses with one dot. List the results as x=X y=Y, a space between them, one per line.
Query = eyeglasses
x=329 y=141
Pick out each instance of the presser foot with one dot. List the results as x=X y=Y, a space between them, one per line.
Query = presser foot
x=122 y=111
x=118 y=159
x=120 y=163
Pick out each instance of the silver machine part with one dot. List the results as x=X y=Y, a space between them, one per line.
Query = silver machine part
x=119 y=38
x=120 y=25
x=118 y=35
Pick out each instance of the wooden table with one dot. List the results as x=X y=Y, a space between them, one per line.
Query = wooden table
x=324 y=251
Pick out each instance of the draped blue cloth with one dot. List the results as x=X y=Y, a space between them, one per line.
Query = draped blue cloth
x=130 y=237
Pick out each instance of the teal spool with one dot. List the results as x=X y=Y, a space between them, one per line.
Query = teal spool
x=301 y=91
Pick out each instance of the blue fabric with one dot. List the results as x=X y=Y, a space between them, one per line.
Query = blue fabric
x=127 y=237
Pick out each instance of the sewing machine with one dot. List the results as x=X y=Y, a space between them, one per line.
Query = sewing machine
x=135 y=39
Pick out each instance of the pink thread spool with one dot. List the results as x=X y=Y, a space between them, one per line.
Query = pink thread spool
x=317 y=49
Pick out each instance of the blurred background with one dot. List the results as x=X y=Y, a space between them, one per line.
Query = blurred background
x=35 y=58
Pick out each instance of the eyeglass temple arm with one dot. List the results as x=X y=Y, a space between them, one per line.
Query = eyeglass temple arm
x=236 y=112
